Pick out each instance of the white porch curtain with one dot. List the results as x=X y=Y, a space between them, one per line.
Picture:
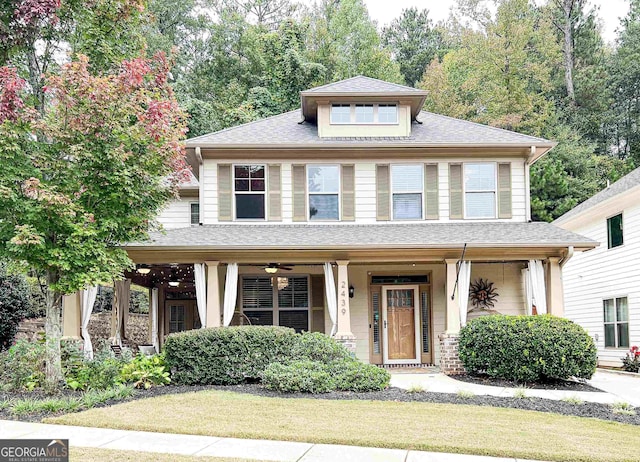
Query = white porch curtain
x=87 y=300
x=201 y=292
x=121 y=296
x=538 y=291
x=155 y=340
x=464 y=279
x=528 y=301
x=230 y=293
x=332 y=298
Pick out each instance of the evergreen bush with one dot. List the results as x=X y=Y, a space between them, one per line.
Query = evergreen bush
x=527 y=348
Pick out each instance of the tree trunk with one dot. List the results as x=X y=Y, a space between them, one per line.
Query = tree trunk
x=567 y=30
x=53 y=332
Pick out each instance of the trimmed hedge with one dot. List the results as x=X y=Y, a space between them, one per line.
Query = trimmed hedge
x=307 y=376
x=226 y=355
x=527 y=348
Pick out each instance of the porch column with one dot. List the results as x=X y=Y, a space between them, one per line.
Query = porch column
x=213 y=294
x=555 y=295
x=71 y=316
x=450 y=363
x=344 y=334
x=453 y=307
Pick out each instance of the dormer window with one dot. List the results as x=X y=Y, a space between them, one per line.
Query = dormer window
x=340 y=113
x=364 y=113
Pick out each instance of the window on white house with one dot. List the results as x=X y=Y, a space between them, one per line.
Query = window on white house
x=176 y=318
x=616 y=322
x=364 y=113
x=340 y=113
x=406 y=189
x=323 y=184
x=614 y=231
x=282 y=301
x=195 y=213
x=387 y=113
x=249 y=187
x=480 y=190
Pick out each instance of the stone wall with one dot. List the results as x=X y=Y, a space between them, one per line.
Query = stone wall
x=450 y=363
x=137 y=328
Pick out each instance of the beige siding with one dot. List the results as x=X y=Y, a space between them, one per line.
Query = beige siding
x=603 y=273
x=177 y=214
x=507 y=280
x=365 y=180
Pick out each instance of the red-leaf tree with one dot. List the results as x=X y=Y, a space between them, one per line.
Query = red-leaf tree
x=86 y=177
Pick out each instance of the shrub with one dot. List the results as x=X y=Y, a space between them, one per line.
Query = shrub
x=22 y=367
x=631 y=362
x=298 y=376
x=353 y=375
x=14 y=305
x=100 y=373
x=226 y=355
x=145 y=371
x=317 y=347
x=527 y=348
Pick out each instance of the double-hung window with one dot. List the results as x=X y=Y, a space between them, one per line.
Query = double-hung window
x=340 y=113
x=480 y=190
x=323 y=184
x=406 y=189
x=195 y=213
x=614 y=231
x=616 y=322
x=249 y=188
x=274 y=300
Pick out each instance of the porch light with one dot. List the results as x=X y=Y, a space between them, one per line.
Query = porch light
x=352 y=291
x=174 y=283
x=143 y=269
x=271 y=269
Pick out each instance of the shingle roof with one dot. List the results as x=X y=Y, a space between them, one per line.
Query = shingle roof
x=431 y=129
x=362 y=84
x=622 y=185
x=320 y=236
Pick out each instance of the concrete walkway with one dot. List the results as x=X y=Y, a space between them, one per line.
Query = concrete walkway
x=194 y=445
x=616 y=388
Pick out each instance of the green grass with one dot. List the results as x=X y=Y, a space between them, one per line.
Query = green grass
x=623 y=408
x=573 y=400
x=411 y=425
x=465 y=394
x=100 y=455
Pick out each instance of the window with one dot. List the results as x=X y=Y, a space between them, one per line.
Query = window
x=364 y=113
x=387 y=114
x=323 y=183
x=616 y=323
x=614 y=231
x=249 y=189
x=282 y=301
x=340 y=113
x=406 y=188
x=176 y=318
x=195 y=213
x=480 y=190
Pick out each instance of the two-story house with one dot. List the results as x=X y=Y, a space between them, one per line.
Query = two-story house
x=361 y=216
x=602 y=286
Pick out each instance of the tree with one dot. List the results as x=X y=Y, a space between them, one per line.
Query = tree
x=413 y=42
x=14 y=304
x=104 y=160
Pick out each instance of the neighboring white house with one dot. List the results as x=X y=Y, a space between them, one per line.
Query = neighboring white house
x=602 y=286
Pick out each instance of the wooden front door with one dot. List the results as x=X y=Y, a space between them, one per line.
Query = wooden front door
x=401 y=324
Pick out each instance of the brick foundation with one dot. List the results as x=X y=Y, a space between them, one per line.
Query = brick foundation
x=450 y=363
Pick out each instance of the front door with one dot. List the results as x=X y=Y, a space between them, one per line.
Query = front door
x=401 y=324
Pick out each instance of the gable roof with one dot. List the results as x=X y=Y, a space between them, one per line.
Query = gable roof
x=362 y=84
x=429 y=130
x=621 y=186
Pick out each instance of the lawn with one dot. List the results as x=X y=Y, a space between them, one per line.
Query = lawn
x=100 y=455
x=406 y=425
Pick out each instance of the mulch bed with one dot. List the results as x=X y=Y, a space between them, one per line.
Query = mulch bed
x=586 y=409
x=569 y=385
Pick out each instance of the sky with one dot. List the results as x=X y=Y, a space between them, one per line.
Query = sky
x=383 y=11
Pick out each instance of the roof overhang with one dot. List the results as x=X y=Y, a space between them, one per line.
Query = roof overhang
x=311 y=99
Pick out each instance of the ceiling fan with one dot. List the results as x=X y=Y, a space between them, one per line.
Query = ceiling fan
x=272 y=268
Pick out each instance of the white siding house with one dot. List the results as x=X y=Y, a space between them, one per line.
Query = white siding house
x=602 y=286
